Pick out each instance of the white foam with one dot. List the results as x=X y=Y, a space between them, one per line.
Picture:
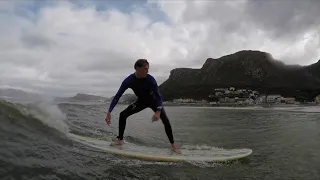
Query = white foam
x=139 y=163
x=310 y=109
x=48 y=113
x=294 y=108
x=55 y=119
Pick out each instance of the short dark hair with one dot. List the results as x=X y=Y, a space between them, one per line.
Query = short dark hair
x=140 y=63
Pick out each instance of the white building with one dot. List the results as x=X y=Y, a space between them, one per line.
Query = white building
x=273 y=98
x=183 y=100
x=289 y=100
x=318 y=99
x=269 y=99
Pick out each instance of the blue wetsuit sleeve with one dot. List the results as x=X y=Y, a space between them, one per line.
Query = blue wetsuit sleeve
x=157 y=93
x=122 y=89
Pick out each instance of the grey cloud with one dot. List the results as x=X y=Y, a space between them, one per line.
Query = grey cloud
x=234 y=26
x=20 y=83
x=282 y=19
x=60 y=88
x=63 y=81
x=104 y=61
x=36 y=40
x=161 y=68
x=82 y=63
x=68 y=71
x=289 y=22
x=285 y=18
x=227 y=18
x=19 y=58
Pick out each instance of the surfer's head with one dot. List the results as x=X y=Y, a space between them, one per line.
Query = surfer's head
x=142 y=67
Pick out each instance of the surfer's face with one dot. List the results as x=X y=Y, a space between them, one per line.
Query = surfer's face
x=142 y=71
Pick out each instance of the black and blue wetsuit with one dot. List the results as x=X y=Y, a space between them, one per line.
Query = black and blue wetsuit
x=147 y=91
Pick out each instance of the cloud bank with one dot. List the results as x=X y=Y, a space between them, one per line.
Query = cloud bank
x=64 y=47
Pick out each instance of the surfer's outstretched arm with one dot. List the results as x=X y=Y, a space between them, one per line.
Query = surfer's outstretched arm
x=121 y=90
x=155 y=89
x=124 y=86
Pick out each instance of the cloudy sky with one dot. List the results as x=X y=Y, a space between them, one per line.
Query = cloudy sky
x=64 y=47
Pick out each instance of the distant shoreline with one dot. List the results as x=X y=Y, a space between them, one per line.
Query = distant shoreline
x=240 y=105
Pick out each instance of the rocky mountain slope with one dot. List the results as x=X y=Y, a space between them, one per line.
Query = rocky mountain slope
x=82 y=97
x=88 y=97
x=255 y=70
x=20 y=95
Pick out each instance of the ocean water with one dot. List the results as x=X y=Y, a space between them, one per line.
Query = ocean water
x=36 y=143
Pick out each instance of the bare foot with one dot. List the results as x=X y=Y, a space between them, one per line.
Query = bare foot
x=117 y=142
x=174 y=148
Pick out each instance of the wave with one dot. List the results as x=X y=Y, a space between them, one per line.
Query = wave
x=303 y=109
x=34 y=113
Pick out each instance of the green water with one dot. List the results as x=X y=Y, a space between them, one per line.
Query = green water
x=285 y=144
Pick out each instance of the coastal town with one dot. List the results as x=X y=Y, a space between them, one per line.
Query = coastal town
x=241 y=97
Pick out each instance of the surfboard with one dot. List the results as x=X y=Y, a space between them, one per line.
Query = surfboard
x=165 y=154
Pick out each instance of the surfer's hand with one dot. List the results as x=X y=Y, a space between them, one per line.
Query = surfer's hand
x=156 y=116
x=108 y=118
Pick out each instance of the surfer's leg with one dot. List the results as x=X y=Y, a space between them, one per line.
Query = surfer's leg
x=165 y=120
x=131 y=109
x=167 y=125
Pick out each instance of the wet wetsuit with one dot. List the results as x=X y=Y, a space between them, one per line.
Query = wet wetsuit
x=147 y=91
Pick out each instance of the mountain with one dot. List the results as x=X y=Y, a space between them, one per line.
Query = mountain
x=19 y=95
x=82 y=97
x=126 y=98
x=88 y=97
x=313 y=70
x=14 y=93
x=253 y=70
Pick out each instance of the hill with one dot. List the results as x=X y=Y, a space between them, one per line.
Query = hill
x=88 y=97
x=19 y=95
x=126 y=98
x=82 y=97
x=254 y=70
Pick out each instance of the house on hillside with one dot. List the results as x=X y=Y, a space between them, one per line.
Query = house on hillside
x=288 y=100
x=318 y=99
x=275 y=98
x=181 y=100
x=269 y=99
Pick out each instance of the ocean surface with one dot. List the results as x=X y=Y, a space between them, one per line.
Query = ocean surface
x=36 y=142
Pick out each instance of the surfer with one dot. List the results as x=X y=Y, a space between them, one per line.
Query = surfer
x=146 y=89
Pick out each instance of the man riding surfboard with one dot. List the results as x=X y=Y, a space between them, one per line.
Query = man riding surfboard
x=146 y=89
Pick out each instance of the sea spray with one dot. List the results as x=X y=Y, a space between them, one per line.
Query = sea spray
x=45 y=111
x=50 y=115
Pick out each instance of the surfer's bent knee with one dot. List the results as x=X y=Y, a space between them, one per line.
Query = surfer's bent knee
x=124 y=113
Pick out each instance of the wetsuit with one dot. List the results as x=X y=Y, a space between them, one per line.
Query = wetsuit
x=147 y=91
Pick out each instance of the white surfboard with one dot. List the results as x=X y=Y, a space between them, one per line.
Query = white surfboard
x=165 y=154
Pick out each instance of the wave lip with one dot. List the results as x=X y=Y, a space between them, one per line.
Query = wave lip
x=45 y=112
